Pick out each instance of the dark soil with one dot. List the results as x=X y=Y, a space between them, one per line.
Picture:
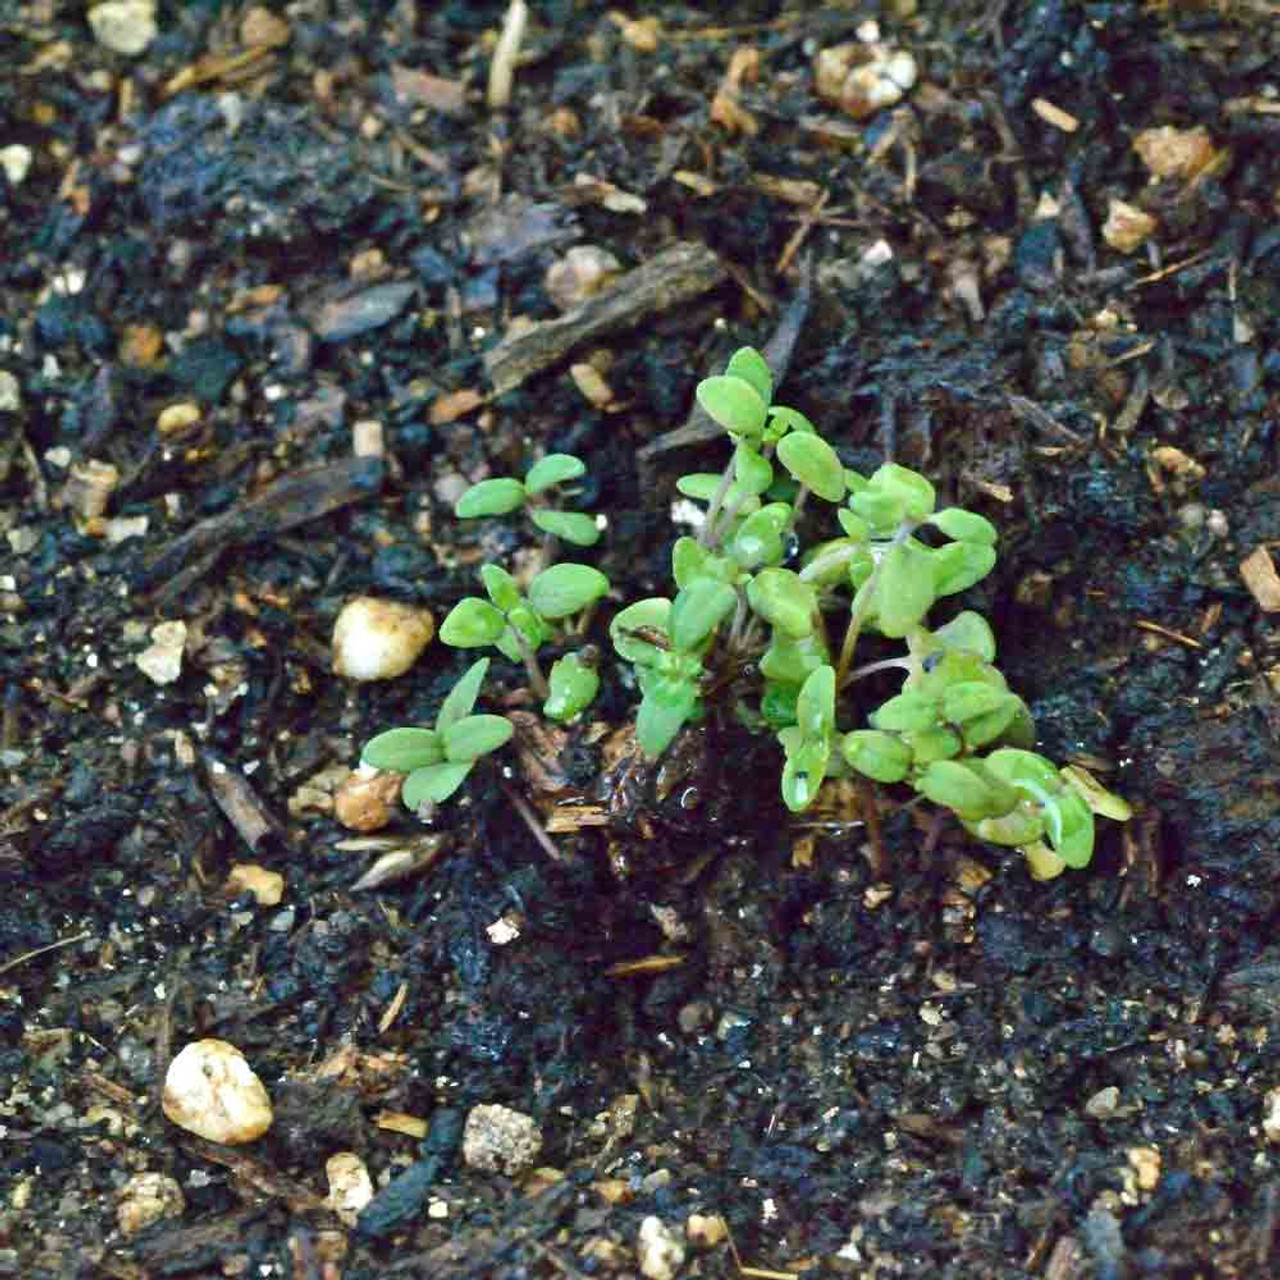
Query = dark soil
x=714 y=1011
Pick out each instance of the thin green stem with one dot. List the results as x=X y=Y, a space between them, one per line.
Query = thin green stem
x=705 y=535
x=862 y=605
x=537 y=681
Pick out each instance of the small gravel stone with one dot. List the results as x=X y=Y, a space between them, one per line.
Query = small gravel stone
x=124 y=26
x=350 y=1187
x=15 y=161
x=145 y=1199
x=161 y=661
x=379 y=639
x=1271 y=1115
x=658 y=1250
x=210 y=1090
x=10 y=393
x=499 y=1140
x=1102 y=1106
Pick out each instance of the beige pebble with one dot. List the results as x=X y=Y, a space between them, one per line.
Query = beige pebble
x=267 y=887
x=659 y=1250
x=367 y=801
x=379 y=639
x=497 y=1139
x=147 y=1198
x=705 y=1230
x=211 y=1090
x=862 y=79
x=124 y=26
x=161 y=661
x=350 y=1187
x=1127 y=227
x=1271 y=1115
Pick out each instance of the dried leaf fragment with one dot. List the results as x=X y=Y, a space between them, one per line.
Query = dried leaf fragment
x=1259 y=573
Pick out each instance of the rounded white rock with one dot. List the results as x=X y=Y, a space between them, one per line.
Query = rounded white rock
x=211 y=1090
x=379 y=639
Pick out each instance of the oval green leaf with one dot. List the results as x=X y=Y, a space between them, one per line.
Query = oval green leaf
x=749 y=365
x=814 y=463
x=490 y=498
x=472 y=623
x=965 y=526
x=475 y=736
x=403 y=750
x=462 y=697
x=566 y=589
x=555 y=468
x=573 y=526
x=904 y=589
x=734 y=403
x=434 y=784
x=958 y=565
x=574 y=685
x=781 y=599
x=883 y=757
x=698 y=610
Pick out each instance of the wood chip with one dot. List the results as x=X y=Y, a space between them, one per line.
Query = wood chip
x=668 y=281
x=1259 y=573
x=1055 y=115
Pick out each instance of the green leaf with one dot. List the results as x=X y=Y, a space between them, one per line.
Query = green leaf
x=993 y=725
x=906 y=486
x=781 y=599
x=501 y=587
x=883 y=757
x=490 y=498
x=566 y=589
x=816 y=705
x=734 y=403
x=574 y=685
x=702 y=486
x=958 y=565
x=534 y=631
x=827 y=564
x=555 y=468
x=791 y=661
x=814 y=463
x=434 y=784
x=1069 y=826
x=403 y=750
x=881 y=512
x=758 y=540
x=803 y=773
x=854 y=525
x=969 y=699
x=749 y=365
x=573 y=526
x=1024 y=768
x=666 y=706
x=651 y=615
x=778 y=704
x=752 y=471
x=782 y=420
x=965 y=526
x=698 y=610
x=475 y=736
x=904 y=589
x=971 y=631
x=957 y=787
x=462 y=697
x=472 y=623
x=928 y=745
x=1021 y=825
x=909 y=712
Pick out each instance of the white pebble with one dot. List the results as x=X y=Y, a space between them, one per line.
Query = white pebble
x=145 y=1199
x=210 y=1090
x=350 y=1187
x=161 y=661
x=379 y=639
x=124 y=26
x=499 y=1140
x=659 y=1250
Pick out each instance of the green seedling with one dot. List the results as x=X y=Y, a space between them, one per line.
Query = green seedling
x=755 y=591
x=517 y=625
x=438 y=760
x=500 y=497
